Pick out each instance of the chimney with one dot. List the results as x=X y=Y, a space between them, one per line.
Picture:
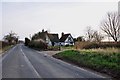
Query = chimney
x=62 y=34
x=42 y=30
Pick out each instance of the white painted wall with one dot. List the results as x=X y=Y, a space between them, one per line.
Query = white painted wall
x=56 y=44
x=67 y=42
x=49 y=43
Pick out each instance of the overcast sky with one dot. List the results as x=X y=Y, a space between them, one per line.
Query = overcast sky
x=27 y=18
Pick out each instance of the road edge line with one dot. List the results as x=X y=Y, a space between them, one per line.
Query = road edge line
x=78 y=67
x=29 y=63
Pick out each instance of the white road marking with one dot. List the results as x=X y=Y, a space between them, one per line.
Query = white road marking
x=30 y=64
x=73 y=65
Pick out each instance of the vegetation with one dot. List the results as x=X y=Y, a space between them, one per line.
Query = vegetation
x=39 y=45
x=55 y=48
x=90 y=45
x=11 y=38
x=0 y=46
x=37 y=41
x=102 y=51
x=93 y=35
x=39 y=35
x=111 y=26
x=67 y=47
x=4 y=46
x=27 y=41
x=80 y=38
x=101 y=61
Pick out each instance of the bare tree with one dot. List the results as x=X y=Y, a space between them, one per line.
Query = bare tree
x=89 y=33
x=80 y=38
x=93 y=35
x=11 y=37
x=97 y=36
x=111 y=26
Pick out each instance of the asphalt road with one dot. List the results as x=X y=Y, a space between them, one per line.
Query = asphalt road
x=23 y=62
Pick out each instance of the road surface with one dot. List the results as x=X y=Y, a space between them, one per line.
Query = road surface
x=23 y=62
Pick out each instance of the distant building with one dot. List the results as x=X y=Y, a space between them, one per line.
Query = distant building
x=52 y=39
x=48 y=38
x=66 y=39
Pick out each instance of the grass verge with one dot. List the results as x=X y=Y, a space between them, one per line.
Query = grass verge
x=105 y=63
x=5 y=48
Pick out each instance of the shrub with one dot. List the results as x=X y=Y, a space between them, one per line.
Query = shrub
x=4 y=44
x=90 y=45
x=0 y=44
x=27 y=41
x=38 y=45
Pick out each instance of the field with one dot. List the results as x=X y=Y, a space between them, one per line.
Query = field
x=102 y=60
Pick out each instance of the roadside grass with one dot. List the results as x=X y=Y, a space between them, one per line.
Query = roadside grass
x=53 y=48
x=102 y=51
x=0 y=51
x=5 y=48
x=67 y=48
x=102 y=60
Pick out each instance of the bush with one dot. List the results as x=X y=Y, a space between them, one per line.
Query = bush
x=27 y=41
x=38 y=45
x=0 y=44
x=90 y=45
x=4 y=44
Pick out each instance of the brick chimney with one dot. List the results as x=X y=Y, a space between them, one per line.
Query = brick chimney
x=42 y=30
x=62 y=33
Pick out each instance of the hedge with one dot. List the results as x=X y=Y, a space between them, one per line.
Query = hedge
x=90 y=45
